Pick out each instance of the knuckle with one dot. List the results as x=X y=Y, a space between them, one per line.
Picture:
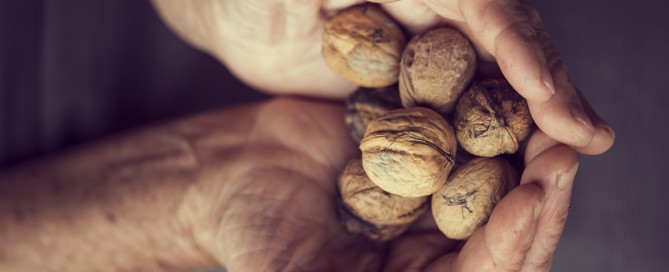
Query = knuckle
x=532 y=13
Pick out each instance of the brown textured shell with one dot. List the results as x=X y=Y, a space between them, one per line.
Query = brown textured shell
x=466 y=201
x=491 y=118
x=436 y=67
x=368 y=210
x=365 y=105
x=409 y=152
x=363 y=44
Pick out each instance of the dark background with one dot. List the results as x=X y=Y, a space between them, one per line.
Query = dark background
x=79 y=70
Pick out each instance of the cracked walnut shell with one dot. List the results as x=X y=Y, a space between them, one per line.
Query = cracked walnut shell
x=435 y=68
x=466 y=201
x=492 y=118
x=363 y=44
x=409 y=152
x=366 y=209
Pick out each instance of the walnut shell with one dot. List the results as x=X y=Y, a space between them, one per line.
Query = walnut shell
x=368 y=210
x=467 y=199
x=436 y=67
x=492 y=118
x=365 y=105
x=409 y=152
x=363 y=44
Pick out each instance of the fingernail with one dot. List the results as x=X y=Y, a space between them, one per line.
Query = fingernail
x=548 y=80
x=608 y=130
x=566 y=179
x=537 y=210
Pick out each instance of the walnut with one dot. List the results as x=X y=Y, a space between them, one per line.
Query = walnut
x=363 y=44
x=466 y=201
x=436 y=67
x=491 y=118
x=409 y=152
x=365 y=105
x=366 y=209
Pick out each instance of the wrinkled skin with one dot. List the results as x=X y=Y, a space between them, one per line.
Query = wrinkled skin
x=278 y=213
x=274 y=45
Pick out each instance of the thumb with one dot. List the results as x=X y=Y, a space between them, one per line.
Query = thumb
x=502 y=27
x=502 y=244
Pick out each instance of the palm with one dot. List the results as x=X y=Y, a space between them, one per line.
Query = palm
x=280 y=212
x=292 y=222
x=270 y=45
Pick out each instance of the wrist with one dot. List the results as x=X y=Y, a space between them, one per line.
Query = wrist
x=217 y=141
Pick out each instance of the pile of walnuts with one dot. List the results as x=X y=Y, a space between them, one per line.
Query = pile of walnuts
x=420 y=116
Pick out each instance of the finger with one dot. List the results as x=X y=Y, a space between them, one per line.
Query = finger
x=500 y=245
x=537 y=143
x=302 y=17
x=419 y=246
x=604 y=134
x=414 y=16
x=334 y=5
x=553 y=169
x=503 y=29
x=417 y=16
x=414 y=251
x=563 y=117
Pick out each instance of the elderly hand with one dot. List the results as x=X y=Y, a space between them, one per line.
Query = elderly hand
x=274 y=45
x=271 y=205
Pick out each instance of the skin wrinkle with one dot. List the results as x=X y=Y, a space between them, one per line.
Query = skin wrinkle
x=469 y=13
x=471 y=245
x=327 y=162
x=300 y=122
x=278 y=60
x=270 y=170
x=256 y=17
x=184 y=226
x=271 y=226
x=525 y=38
x=503 y=262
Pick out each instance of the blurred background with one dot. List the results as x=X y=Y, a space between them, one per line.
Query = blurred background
x=77 y=71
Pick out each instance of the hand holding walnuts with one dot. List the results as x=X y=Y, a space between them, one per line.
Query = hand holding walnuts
x=405 y=152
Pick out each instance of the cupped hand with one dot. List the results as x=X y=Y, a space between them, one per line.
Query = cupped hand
x=271 y=206
x=510 y=33
x=274 y=45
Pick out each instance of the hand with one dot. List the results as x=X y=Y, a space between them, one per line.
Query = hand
x=511 y=33
x=274 y=208
x=275 y=46
x=271 y=45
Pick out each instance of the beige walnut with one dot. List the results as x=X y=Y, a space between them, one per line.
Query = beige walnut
x=491 y=118
x=467 y=199
x=366 y=209
x=409 y=152
x=365 y=105
x=363 y=44
x=435 y=68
